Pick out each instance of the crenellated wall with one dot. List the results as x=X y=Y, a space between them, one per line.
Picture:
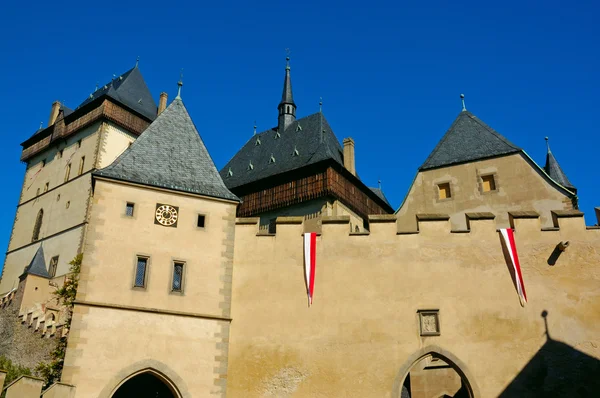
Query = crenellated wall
x=361 y=334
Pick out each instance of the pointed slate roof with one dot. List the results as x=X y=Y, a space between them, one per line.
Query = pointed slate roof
x=467 y=140
x=291 y=149
x=37 y=266
x=380 y=194
x=170 y=154
x=287 y=97
x=129 y=89
x=555 y=172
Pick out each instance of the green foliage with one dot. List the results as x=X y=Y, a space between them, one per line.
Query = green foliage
x=66 y=294
x=13 y=371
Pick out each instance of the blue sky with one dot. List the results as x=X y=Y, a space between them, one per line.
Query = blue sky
x=390 y=74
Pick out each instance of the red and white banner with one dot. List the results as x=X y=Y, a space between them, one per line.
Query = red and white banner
x=310 y=256
x=509 y=240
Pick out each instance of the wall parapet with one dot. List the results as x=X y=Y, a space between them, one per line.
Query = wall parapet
x=31 y=387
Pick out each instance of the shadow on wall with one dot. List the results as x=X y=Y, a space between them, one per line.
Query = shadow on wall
x=556 y=370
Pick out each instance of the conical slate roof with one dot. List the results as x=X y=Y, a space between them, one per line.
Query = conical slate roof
x=129 y=89
x=170 y=154
x=553 y=169
x=37 y=266
x=467 y=140
x=287 y=97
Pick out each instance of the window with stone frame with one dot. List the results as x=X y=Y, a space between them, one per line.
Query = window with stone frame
x=444 y=191
x=488 y=183
x=177 y=285
x=53 y=266
x=129 y=209
x=141 y=271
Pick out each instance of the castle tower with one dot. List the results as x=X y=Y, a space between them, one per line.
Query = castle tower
x=53 y=205
x=287 y=107
x=555 y=171
x=156 y=272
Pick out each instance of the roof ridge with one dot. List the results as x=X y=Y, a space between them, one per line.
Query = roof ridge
x=491 y=130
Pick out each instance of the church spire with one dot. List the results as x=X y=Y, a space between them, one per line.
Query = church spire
x=287 y=107
x=554 y=170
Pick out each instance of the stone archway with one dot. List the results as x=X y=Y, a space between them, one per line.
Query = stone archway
x=469 y=387
x=146 y=384
x=146 y=374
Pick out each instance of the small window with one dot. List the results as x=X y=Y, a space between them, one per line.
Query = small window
x=488 y=183
x=53 y=266
x=201 y=219
x=444 y=191
x=59 y=154
x=67 y=172
x=67 y=204
x=129 y=209
x=78 y=145
x=38 y=225
x=140 y=272
x=177 y=277
x=37 y=193
x=44 y=163
x=46 y=187
x=81 y=165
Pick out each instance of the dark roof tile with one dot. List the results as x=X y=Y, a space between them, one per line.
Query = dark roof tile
x=170 y=154
x=37 y=266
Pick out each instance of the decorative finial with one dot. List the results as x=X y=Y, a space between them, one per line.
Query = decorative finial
x=379 y=184
x=179 y=84
x=41 y=124
x=287 y=59
x=547 y=144
x=320 y=104
x=96 y=87
x=462 y=98
x=254 y=127
x=114 y=76
x=137 y=61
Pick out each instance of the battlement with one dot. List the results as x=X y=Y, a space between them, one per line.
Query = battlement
x=480 y=224
x=31 y=387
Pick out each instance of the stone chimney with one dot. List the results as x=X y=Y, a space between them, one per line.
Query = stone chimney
x=162 y=102
x=349 y=155
x=54 y=113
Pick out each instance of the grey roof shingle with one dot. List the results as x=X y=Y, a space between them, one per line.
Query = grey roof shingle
x=129 y=89
x=380 y=194
x=467 y=140
x=170 y=154
x=291 y=149
x=555 y=171
x=37 y=266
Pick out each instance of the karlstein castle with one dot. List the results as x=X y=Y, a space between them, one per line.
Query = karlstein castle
x=195 y=282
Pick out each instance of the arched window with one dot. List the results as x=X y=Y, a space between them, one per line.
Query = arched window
x=288 y=109
x=37 y=226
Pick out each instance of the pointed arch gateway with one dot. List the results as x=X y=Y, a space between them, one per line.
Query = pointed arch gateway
x=148 y=377
x=470 y=388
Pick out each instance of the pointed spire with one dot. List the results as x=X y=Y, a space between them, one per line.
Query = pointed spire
x=287 y=107
x=320 y=104
x=254 y=128
x=137 y=61
x=179 y=85
x=462 y=98
x=37 y=266
x=553 y=169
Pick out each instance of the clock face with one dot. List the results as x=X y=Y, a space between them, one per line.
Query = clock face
x=166 y=215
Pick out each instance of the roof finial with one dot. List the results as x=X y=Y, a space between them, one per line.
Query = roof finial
x=379 y=183
x=96 y=87
x=137 y=61
x=320 y=104
x=41 y=124
x=462 y=98
x=287 y=59
x=254 y=127
x=547 y=144
x=179 y=84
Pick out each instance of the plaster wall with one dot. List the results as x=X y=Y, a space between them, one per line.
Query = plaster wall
x=115 y=140
x=65 y=245
x=519 y=186
x=363 y=325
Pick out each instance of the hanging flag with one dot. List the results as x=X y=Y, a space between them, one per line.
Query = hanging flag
x=310 y=256
x=509 y=240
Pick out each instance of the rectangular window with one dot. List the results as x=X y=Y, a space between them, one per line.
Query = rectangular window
x=67 y=172
x=46 y=187
x=44 y=163
x=129 y=209
x=53 y=266
x=81 y=164
x=177 y=277
x=201 y=219
x=444 y=191
x=37 y=193
x=78 y=145
x=59 y=154
x=488 y=183
x=140 y=272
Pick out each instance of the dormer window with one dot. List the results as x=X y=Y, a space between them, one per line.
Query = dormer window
x=250 y=166
x=298 y=127
x=272 y=159
x=257 y=141
x=229 y=172
x=277 y=135
x=295 y=153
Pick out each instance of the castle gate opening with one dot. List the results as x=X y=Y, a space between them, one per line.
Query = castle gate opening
x=146 y=384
